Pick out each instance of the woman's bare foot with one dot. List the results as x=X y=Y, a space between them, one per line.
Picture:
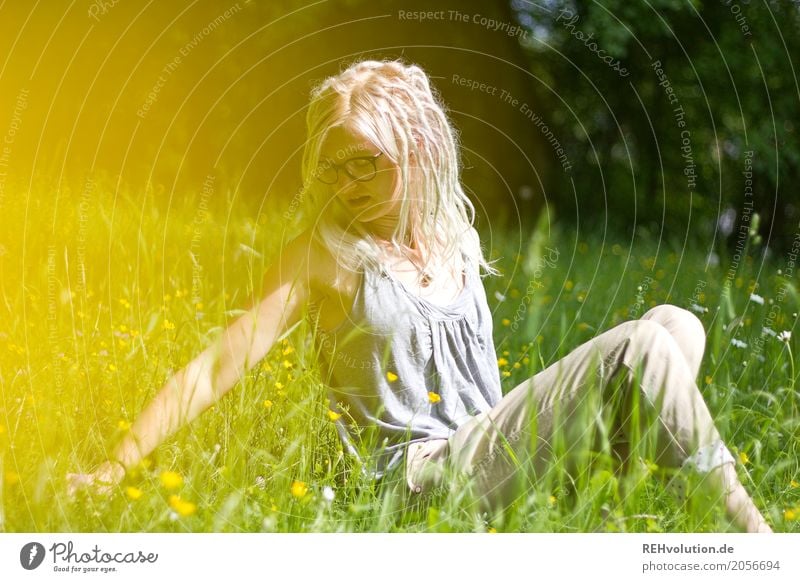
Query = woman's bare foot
x=738 y=505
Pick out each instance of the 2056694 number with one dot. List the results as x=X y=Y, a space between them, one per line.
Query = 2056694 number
x=745 y=565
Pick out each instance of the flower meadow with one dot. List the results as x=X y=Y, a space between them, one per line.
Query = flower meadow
x=104 y=298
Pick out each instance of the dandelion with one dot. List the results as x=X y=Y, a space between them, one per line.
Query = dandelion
x=133 y=493
x=785 y=336
x=744 y=458
x=287 y=364
x=334 y=415
x=738 y=343
x=502 y=362
x=505 y=321
x=790 y=515
x=391 y=376
x=506 y=373
x=794 y=484
x=755 y=298
x=299 y=489
x=11 y=478
x=551 y=500
x=517 y=365
x=123 y=425
x=568 y=285
x=268 y=404
x=171 y=480
x=708 y=380
x=287 y=350
x=491 y=530
x=433 y=397
x=182 y=507
x=168 y=324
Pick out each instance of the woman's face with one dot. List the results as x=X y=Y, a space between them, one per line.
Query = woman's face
x=374 y=202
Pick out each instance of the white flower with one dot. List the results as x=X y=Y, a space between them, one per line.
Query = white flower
x=768 y=331
x=785 y=336
x=738 y=343
x=698 y=308
x=499 y=296
x=328 y=493
x=756 y=299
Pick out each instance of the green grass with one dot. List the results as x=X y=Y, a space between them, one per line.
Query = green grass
x=78 y=363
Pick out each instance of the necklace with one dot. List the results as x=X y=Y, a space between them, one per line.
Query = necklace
x=424 y=277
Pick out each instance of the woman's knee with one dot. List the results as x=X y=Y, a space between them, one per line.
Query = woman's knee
x=674 y=317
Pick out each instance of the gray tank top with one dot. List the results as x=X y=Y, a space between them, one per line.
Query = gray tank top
x=401 y=369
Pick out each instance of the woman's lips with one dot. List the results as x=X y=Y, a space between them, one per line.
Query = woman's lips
x=358 y=201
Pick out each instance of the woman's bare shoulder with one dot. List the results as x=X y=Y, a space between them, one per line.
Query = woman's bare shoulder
x=321 y=271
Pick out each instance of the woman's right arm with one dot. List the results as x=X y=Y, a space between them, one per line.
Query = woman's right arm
x=204 y=380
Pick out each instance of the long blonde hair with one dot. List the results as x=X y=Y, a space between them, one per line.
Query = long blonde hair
x=394 y=106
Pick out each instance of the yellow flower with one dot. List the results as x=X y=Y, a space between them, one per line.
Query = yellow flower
x=287 y=364
x=708 y=379
x=288 y=350
x=268 y=404
x=506 y=373
x=123 y=425
x=505 y=321
x=391 y=376
x=11 y=478
x=299 y=489
x=568 y=285
x=133 y=493
x=551 y=500
x=434 y=397
x=790 y=515
x=182 y=507
x=171 y=480
x=744 y=458
x=517 y=365
x=334 y=415
x=794 y=483
x=491 y=530
x=502 y=362
x=168 y=324
x=198 y=306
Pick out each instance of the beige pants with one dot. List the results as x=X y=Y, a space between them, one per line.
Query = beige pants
x=646 y=365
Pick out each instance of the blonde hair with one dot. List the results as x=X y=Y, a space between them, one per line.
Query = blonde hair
x=393 y=105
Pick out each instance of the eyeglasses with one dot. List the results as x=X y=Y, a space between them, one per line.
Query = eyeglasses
x=360 y=169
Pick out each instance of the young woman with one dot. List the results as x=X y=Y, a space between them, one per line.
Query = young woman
x=390 y=270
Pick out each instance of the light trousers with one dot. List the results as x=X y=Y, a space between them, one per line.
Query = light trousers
x=644 y=370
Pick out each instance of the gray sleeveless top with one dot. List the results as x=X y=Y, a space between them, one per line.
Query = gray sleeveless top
x=401 y=369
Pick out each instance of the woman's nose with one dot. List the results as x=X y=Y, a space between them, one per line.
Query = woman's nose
x=345 y=184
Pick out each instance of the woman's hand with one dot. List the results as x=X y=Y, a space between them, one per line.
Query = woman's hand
x=102 y=480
